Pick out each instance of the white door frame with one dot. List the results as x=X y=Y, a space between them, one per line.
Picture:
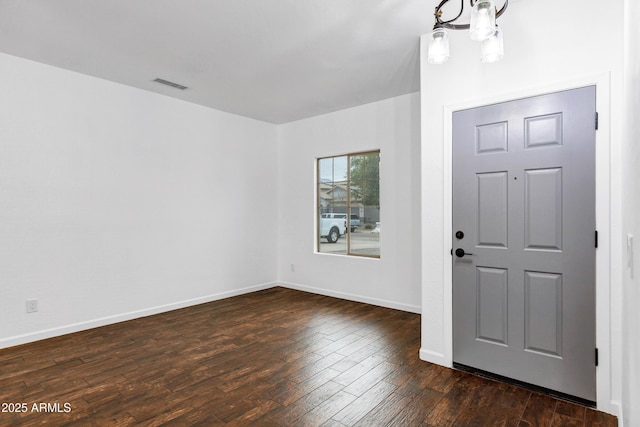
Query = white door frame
x=603 y=221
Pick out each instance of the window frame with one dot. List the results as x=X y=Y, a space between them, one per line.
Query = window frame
x=348 y=207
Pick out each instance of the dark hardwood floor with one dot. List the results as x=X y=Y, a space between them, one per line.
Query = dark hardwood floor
x=272 y=358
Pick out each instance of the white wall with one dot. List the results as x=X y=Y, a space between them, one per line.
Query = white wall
x=393 y=127
x=116 y=203
x=569 y=48
x=631 y=206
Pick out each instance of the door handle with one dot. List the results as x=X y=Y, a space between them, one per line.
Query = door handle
x=460 y=253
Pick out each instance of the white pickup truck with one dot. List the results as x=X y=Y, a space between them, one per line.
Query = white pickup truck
x=332 y=226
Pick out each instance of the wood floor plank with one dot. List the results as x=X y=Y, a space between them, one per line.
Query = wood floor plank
x=289 y=414
x=539 y=411
x=571 y=410
x=418 y=410
x=352 y=374
x=560 y=420
x=326 y=410
x=351 y=414
x=255 y=415
x=297 y=390
x=383 y=413
x=276 y=357
x=488 y=405
x=373 y=377
x=316 y=367
x=594 y=418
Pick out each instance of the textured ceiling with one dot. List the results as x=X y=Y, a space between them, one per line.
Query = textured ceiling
x=272 y=60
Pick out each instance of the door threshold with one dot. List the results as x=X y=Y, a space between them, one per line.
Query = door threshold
x=531 y=387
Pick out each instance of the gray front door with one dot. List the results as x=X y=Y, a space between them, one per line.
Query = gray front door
x=524 y=233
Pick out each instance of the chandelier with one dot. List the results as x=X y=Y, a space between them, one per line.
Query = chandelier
x=482 y=27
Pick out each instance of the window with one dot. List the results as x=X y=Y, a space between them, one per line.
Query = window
x=349 y=204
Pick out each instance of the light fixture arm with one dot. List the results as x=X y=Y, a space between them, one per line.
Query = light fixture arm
x=482 y=27
x=448 y=24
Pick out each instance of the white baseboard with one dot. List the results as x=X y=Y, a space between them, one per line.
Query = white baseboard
x=433 y=357
x=123 y=317
x=109 y=320
x=352 y=297
x=615 y=408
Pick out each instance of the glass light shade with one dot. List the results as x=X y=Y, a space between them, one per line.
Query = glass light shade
x=492 y=49
x=483 y=20
x=438 y=47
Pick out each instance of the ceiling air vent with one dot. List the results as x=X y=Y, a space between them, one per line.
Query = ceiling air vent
x=172 y=84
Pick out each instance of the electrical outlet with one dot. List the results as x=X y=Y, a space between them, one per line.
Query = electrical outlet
x=32 y=305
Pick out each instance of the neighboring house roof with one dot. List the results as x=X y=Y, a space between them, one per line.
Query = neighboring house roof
x=336 y=191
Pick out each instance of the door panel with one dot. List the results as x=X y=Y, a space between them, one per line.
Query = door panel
x=543 y=209
x=491 y=305
x=492 y=209
x=491 y=138
x=524 y=197
x=543 y=130
x=543 y=313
